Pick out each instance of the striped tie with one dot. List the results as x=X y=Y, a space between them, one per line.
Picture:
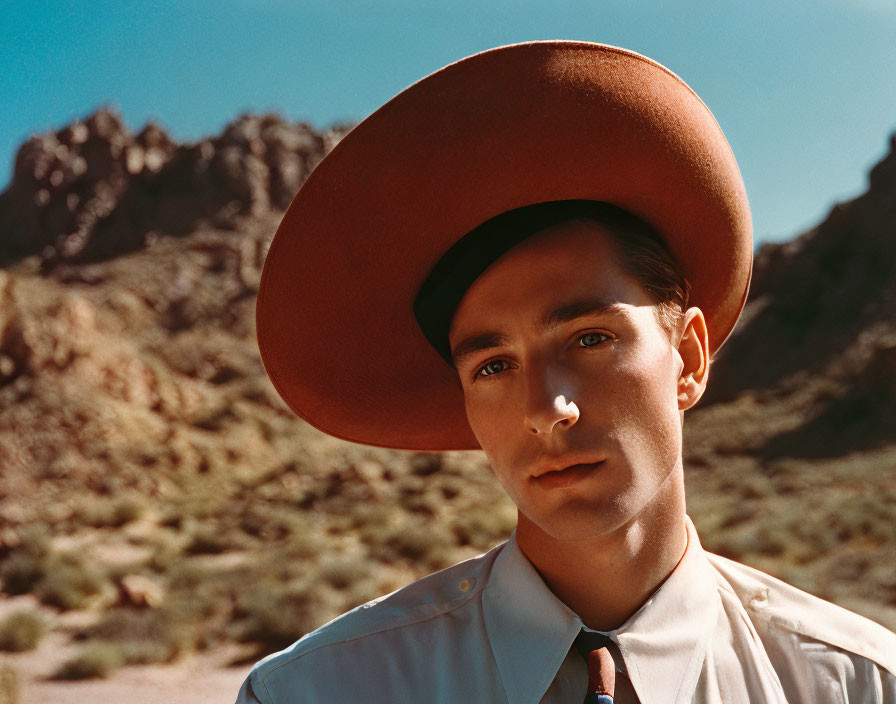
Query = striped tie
x=601 y=670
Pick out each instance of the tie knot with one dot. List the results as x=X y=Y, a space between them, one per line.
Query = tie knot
x=588 y=641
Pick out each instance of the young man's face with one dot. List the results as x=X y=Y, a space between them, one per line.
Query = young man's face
x=565 y=366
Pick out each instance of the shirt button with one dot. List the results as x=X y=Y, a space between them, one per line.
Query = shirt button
x=464 y=585
x=760 y=599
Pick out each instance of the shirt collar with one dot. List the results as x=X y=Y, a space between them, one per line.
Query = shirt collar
x=663 y=644
x=530 y=629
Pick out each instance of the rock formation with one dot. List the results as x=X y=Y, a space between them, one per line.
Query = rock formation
x=93 y=190
x=822 y=311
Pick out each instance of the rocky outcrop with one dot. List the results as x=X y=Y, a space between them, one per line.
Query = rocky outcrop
x=829 y=292
x=822 y=311
x=94 y=190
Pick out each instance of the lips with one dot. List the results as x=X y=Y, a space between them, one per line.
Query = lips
x=556 y=475
x=563 y=463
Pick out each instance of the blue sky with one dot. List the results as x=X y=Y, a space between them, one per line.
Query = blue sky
x=805 y=90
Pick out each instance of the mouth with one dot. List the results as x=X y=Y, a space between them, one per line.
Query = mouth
x=565 y=476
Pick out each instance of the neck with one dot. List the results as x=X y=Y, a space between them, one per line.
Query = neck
x=605 y=579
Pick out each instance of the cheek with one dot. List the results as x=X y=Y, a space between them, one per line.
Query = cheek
x=494 y=436
x=497 y=425
x=485 y=423
x=646 y=395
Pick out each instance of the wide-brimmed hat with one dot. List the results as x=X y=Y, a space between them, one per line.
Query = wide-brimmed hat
x=509 y=127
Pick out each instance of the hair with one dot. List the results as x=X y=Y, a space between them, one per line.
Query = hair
x=647 y=258
x=642 y=251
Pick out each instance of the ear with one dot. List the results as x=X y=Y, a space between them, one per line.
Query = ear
x=693 y=348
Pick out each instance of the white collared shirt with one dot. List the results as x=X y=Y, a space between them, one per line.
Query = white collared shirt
x=490 y=630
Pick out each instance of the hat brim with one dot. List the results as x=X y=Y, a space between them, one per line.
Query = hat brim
x=512 y=126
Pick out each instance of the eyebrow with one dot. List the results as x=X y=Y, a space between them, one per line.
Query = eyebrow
x=578 y=309
x=477 y=343
x=564 y=314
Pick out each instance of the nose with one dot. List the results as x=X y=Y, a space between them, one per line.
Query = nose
x=548 y=406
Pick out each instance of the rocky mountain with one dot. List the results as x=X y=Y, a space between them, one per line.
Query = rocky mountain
x=822 y=314
x=94 y=190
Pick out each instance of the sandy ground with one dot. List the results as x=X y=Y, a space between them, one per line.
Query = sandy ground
x=199 y=679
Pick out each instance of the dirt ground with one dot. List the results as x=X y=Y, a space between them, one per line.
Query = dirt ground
x=197 y=681
x=201 y=679
x=208 y=678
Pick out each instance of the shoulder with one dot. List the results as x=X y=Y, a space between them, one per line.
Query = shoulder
x=790 y=617
x=377 y=632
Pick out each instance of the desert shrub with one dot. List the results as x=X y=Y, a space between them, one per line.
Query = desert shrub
x=424 y=505
x=772 y=539
x=201 y=600
x=423 y=464
x=738 y=513
x=450 y=489
x=95 y=660
x=342 y=571
x=66 y=581
x=769 y=540
x=865 y=517
x=207 y=539
x=427 y=543
x=21 y=631
x=368 y=516
x=69 y=582
x=304 y=541
x=137 y=652
x=27 y=564
x=411 y=485
x=100 y=513
x=21 y=571
x=756 y=486
x=360 y=592
x=275 y=617
x=189 y=576
x=164 y=558
x=818 y=536
x=145 y=636
x=484 y=526
x=170 y=516
x=271 y=522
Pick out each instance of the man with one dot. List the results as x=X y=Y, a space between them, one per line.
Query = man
x=536 y=251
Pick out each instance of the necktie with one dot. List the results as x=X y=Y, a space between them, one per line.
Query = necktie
x=601 y=669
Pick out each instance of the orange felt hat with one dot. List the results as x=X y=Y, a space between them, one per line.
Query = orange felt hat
x=509 y=127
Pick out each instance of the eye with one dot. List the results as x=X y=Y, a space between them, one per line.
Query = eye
x=492 y=368
x=592 y=339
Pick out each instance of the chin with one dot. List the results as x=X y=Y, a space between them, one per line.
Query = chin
x=579 y=520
